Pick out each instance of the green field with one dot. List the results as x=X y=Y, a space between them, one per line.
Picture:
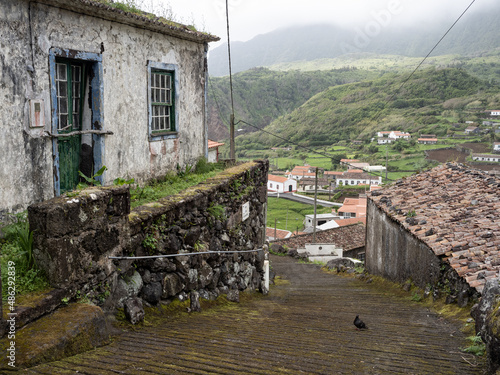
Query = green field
x=289 y=215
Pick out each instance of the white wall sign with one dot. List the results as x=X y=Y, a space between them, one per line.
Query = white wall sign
x=245 y=211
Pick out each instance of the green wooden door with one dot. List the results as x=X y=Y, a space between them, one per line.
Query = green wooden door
x=69 y=82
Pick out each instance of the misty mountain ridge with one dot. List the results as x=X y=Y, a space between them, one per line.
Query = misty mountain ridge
x=478 y=32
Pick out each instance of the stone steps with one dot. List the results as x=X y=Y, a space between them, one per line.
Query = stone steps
x=303 y=326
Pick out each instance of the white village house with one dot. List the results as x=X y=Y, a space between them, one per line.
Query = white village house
x=213 y=151
x=496 y=147
x=281 y=184
x=89 y=85
x=357 y=178
x=486 y=157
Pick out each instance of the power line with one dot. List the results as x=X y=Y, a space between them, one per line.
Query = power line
x=374 y=118
x=304 y=147
x=216 y=101
x=231 y=120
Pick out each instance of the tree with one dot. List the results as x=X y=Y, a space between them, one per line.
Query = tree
x=336 y=160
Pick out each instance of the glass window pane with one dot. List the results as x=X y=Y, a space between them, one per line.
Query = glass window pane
x=76 y=121
x=162 y=82
x=76 y=90
x=62 y=89
x=63 y=121
x=63 y=105
x=61 y=72
x=168 y=82
x=168 y=99
x=76 y=73
x=76 y=106
x=162 y=123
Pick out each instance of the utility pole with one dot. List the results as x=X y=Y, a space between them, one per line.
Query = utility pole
x=315 y=201
x=231 y=134
x=386 y=159
x=231 y=119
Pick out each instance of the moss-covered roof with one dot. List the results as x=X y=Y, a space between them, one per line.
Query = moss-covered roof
x=108 y=10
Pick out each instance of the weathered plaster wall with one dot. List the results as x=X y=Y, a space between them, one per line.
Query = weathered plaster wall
x=25 y=173
x=73 y=238
x=28 y=30
x=393 y=253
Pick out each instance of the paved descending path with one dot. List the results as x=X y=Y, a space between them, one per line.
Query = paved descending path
x=304 y=327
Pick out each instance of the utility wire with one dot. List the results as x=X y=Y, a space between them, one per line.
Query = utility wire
x=304 y=147
x=231 y=120
x=373 y=118
x=229 y=58
x=216 y=101
x=377 y=115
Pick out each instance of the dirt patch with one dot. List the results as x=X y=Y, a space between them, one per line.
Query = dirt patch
x=447 y=155
x=478 y=148
x=453 y=155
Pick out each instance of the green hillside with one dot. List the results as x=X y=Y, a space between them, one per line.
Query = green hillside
x=426 y=103
x=262 y=95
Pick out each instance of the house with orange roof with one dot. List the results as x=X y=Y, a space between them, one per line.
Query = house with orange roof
x=348 y=161
x=427 y=141
x=213 y=151
x=353 y=207
x=300 y=172
x=277 y=234
x=281 y=184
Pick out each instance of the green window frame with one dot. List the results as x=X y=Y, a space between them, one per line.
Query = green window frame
x=163 y=89
x=162 y=102
x=69 y=92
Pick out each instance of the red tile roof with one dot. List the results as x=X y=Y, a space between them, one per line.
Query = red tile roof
x=352 y=220
x=348 y=237
x=457 y=215
x=280 y=234
x=274 y=178
x=213 y=144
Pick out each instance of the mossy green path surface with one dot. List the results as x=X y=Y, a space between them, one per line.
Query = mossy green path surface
x=304 y=326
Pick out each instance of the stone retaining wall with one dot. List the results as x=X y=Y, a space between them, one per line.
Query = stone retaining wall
x=75 y=236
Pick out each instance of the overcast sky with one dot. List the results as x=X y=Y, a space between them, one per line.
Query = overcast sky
x=249 y=18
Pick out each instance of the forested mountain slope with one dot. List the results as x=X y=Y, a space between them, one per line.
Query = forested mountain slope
x=357 y=109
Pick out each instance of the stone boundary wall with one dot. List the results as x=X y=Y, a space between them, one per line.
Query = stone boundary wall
x=394 y=253
x=74 y=236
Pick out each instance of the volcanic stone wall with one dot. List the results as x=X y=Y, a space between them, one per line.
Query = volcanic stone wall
x=74 y=238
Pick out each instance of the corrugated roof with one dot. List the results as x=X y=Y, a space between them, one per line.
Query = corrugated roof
x=455 y=210
x=144 y=20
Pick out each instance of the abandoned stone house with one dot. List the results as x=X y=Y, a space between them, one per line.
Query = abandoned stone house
x=439 y=228
x=84 y=85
